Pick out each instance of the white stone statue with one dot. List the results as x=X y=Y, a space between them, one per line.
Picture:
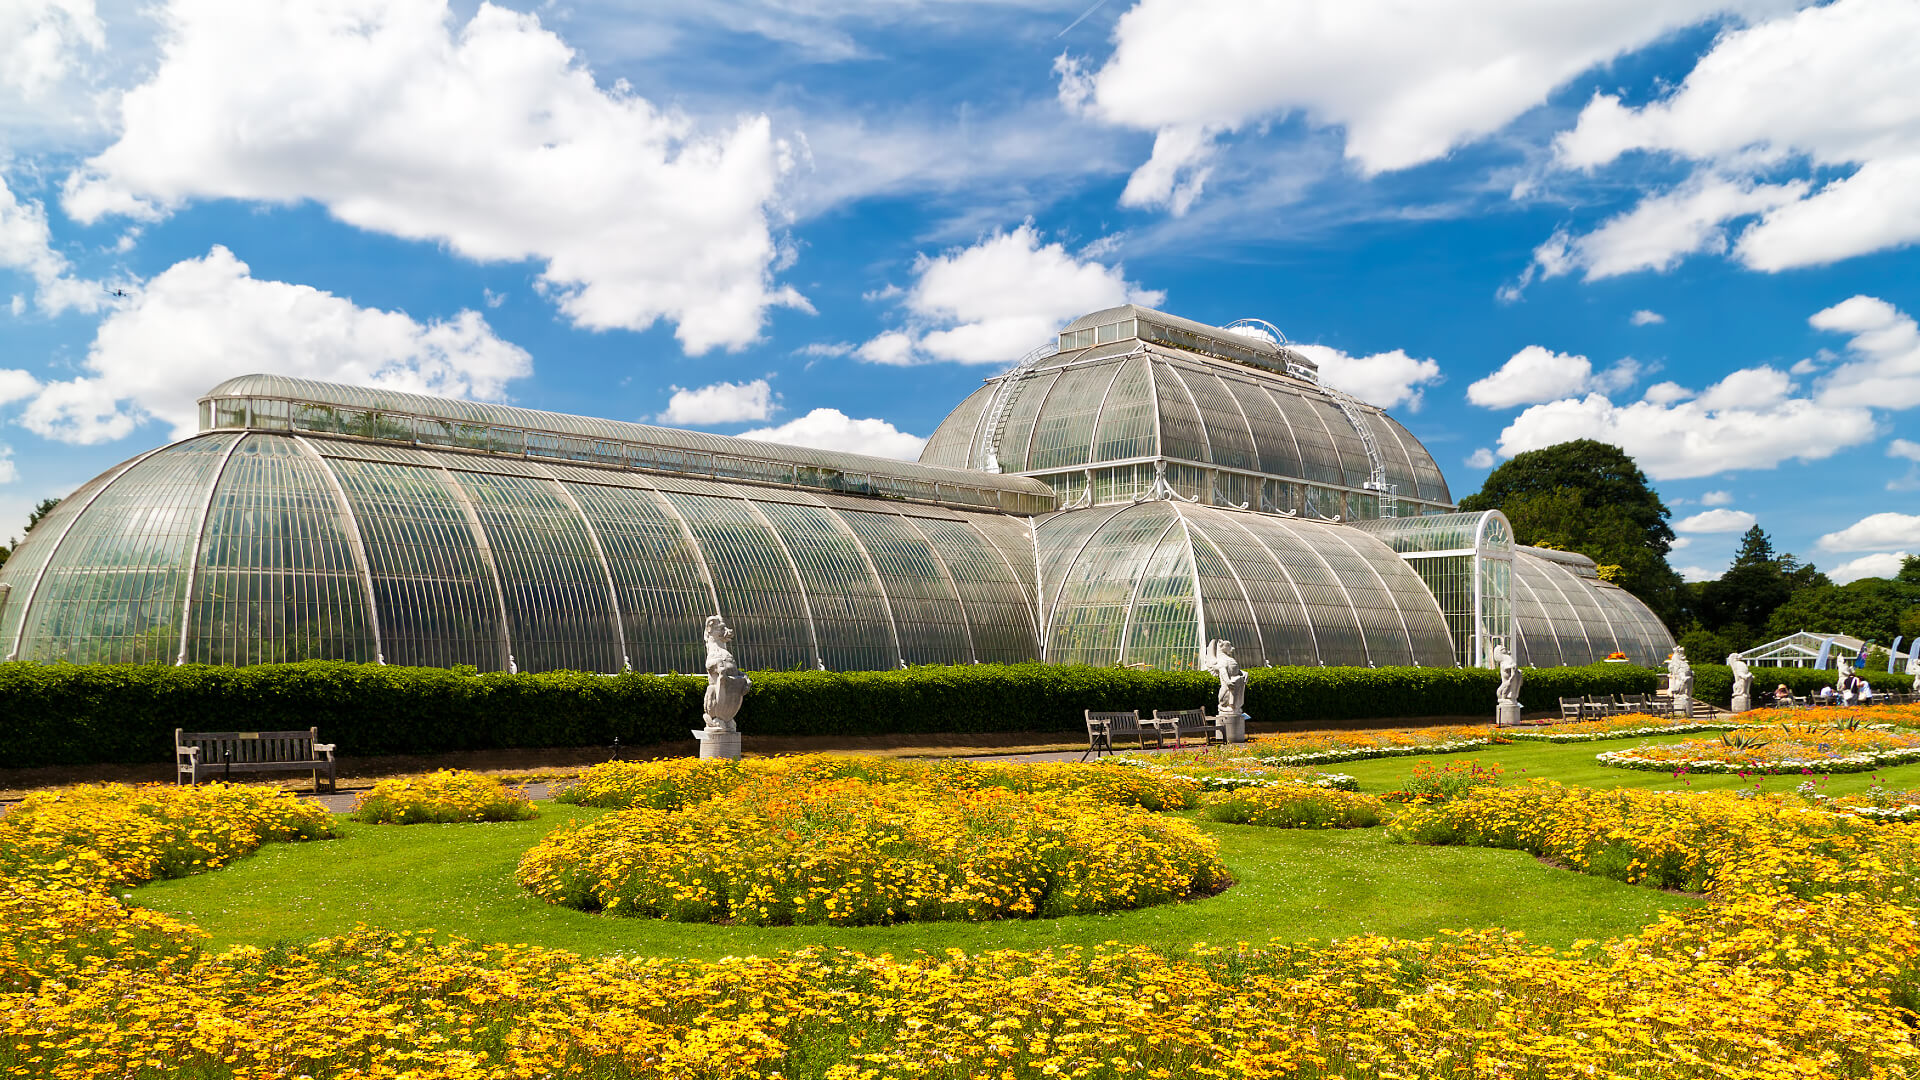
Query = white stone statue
x=1913 y=669
x=726 y=686
x=1742 y=675
x=1511 y=680
x=1679 y=674
x=1843 y=667
x=1217 y=657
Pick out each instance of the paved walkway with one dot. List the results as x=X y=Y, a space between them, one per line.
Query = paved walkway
x=341 y=803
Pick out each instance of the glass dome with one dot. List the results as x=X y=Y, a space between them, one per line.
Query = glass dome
x=1150 y=582
x=1135 y=399
x=249 y=547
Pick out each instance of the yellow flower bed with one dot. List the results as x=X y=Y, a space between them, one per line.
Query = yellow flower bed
x=448 y=795
x=678 y=782
x=1298 y=806
x=791 y=849
x=1478 y=1004
x=1720 y=842
x=102 y=835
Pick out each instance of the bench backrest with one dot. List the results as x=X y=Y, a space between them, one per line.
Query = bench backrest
x=250 y=746
x=1187 y=717
x=1116 y=722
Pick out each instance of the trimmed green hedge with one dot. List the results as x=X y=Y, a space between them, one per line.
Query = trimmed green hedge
x=1714 y=682
x=77 y=714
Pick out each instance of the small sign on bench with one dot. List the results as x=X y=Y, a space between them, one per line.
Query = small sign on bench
x=200 y=755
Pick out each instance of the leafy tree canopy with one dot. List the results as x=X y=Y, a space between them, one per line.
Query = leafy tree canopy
x=1874 y=609
x=1604 y=476
x=46 y=506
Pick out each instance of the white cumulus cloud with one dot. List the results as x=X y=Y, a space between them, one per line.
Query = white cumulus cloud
x=994 y=301
x=831 y=429
x=1827 y=88
x=1480 y=459
x=1386 y=379
x=1406 y=83
x=208 y=319
x=1882 y=365
x=40 y=40
x=488 y=137
x=720 y=403
x=1880 y=564
x=1875 y=532
x=26 y=245
x=1697 y=573
x=1904 y=448
x=1645 y=317
x=1536 y=374
x=1717 y=498
x=1716 y=521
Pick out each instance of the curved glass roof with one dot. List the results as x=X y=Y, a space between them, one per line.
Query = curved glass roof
x=1485 y=531
x=277 y=402
x=1150 y=582
x=237 y=547
x=1141 y=402
x=1564 y=616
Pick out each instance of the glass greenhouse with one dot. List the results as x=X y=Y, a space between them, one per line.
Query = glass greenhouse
x=1124 y=495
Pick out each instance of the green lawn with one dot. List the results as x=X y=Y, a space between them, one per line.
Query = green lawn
x=1291 y=884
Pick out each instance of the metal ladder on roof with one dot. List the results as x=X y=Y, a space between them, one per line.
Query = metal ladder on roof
x=994 y=425
x=1356 y=415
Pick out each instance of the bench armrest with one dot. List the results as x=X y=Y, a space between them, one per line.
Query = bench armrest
x=323 y=748
x=187 y=751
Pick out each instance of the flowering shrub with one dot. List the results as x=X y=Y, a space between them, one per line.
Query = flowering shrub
x=1427 y=784
x=680 y=782
x=1792 y=748
x=102 y=835
x=447 y=795
x=1626 y=726
x=785 y=850
x=1297 y=806
x=64 y=934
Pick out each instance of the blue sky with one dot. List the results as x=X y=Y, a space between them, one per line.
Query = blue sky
x=1684 y=226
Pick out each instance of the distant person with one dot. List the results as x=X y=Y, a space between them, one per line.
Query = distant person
x=1826 y=695
x=1782 y=696
x=1866 y=691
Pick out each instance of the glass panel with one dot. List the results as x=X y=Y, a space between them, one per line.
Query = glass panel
x=554 y=584
x=933 y=630
x=664 y=599
x=1095 y=583
x=952 y=443
x=755 y=581
x=277 y=579
x=31 y=554
x=1228 y=613
x=1021 y=414
x=438 y=604
x=1181 y=433
x=1228 y=438
x=998 y=601
x=1064 y=432
x=1163 y=630
x=114 y=594
x=851 y=620
x=1126 y=427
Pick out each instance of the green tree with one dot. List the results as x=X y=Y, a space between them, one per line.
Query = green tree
x=1606 y=478
x=1753 y=588
x=46 y=507
x=1873 y=609
x=1590 y=497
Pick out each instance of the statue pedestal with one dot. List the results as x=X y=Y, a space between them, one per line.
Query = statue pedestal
x=1683 y=706
x=1742 y=703
x=1236 y=727
x=718 y=744
x=1506 y=714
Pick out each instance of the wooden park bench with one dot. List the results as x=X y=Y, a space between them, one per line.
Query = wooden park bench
x=1104 y=727
x=1184 y=722
x=202 y=755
